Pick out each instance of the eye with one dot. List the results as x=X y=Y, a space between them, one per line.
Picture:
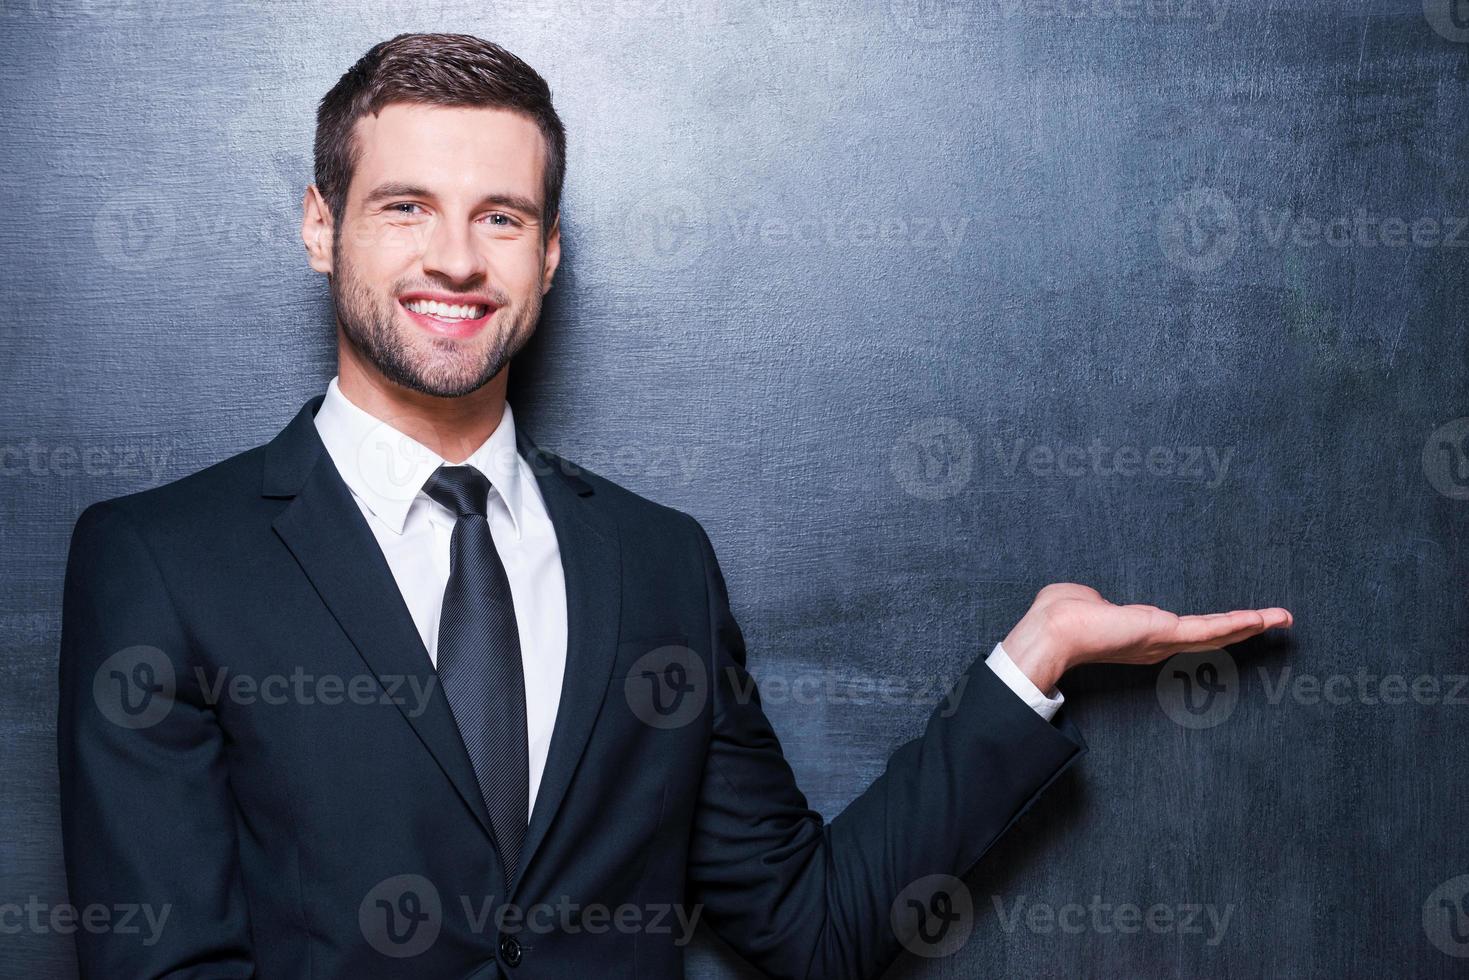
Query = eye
x=400 y=206
x=502 y=220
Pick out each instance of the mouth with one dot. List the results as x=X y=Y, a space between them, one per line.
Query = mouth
x=447 y=315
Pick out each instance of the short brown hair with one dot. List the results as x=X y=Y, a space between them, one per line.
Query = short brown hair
x=432 y=69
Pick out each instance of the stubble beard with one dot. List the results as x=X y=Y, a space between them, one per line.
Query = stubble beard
x=418 y=361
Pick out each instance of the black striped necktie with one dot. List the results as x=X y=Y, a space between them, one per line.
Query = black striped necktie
x=479 y=659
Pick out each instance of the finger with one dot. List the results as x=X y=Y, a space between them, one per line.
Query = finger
x=1274 y=617
x=1229 y=639
x=1277 y=618
x=1207 y=629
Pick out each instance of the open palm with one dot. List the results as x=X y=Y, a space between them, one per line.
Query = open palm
x=1069 y=625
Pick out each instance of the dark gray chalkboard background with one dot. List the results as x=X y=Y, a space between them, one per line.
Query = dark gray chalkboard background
x=834 y=272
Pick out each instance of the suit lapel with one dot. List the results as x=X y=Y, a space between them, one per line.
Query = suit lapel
x=592 y=565
x=326 y=532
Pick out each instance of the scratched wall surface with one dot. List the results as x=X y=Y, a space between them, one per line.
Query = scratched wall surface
x=917 y=308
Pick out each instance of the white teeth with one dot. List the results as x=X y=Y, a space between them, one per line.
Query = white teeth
x=444 y=311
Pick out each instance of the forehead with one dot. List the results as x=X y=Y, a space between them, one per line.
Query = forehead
x=450 y=150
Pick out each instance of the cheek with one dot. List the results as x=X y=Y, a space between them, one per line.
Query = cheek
x=380 y=252
x=395 y=252
x=517 y=264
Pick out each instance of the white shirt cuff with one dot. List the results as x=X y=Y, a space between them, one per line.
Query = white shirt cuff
x=1045 y=705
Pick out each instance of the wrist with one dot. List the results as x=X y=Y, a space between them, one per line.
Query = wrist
x=1036 y=655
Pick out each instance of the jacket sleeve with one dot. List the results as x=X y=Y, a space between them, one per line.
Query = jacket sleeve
x=147 y=817
x=802 y=899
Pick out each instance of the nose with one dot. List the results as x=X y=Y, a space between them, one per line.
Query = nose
x=451 y=252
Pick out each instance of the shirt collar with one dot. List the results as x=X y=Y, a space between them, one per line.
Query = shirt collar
x=387 y=469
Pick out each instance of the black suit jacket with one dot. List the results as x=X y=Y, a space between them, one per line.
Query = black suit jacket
x=328 y=824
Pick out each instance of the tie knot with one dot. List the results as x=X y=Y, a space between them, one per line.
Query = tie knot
x=462 y=489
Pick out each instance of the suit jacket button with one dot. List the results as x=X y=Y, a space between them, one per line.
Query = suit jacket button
x=510 y=950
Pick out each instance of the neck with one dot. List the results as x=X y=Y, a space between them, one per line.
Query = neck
x=452 y=427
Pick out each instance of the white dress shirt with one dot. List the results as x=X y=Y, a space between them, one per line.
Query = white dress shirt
x=386 y=471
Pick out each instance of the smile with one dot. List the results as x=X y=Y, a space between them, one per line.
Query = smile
x=448 y=316
x=445 y=311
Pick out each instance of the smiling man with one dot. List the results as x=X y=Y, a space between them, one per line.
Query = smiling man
x=400 y=693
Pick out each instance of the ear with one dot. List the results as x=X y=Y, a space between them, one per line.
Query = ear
x=553 y=254
x=317 y=230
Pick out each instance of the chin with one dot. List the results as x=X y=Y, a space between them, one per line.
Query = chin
x=445 y=377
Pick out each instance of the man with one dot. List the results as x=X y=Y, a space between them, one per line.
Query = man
x=401 y=694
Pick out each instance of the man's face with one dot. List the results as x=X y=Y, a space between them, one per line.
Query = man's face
x=441 y=258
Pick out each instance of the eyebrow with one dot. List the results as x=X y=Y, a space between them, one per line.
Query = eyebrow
x=512 y=202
